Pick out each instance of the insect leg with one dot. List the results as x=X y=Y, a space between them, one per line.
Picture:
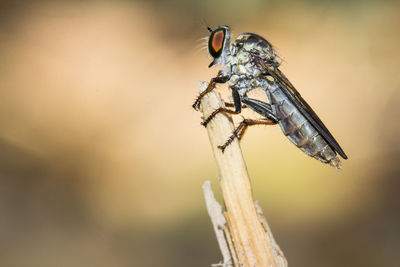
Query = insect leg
x=210 y=87
x=215 y=112
x=261 y=108
x=229 y=105
x=232 y=105
x=236 y=103
x=241 y=129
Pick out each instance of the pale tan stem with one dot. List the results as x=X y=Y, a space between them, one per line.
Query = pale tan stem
x=253 y=245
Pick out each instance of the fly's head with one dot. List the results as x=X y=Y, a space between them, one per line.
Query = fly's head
x=218 y=44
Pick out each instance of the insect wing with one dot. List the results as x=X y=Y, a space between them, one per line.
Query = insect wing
x=291 y=92
x=267 y=67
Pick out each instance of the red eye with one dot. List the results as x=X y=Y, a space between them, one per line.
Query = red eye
x=216 y=42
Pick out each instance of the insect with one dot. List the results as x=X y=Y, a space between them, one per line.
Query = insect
x=250 y=62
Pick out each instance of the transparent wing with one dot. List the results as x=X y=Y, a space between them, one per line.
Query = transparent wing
x=290 y=91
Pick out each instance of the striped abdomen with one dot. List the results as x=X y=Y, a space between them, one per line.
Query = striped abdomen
x=299 y=130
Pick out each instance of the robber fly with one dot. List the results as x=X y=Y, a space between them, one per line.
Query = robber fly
x=250 y=62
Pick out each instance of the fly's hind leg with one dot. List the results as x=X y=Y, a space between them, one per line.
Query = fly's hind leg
x=241 y=129
x=260 y=107
x=210 y=87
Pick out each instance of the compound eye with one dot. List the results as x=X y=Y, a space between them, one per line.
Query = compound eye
x=216 y=42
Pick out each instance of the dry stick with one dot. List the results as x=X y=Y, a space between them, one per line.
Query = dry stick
x=218 y=220
x=278 y=253
x=253 y=245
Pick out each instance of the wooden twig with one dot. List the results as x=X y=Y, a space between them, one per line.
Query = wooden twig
x=218 y=220
x=278 y=253
x=252 y=244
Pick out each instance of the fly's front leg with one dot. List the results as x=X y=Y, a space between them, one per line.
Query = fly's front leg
x=210 y=87
x=241 y=129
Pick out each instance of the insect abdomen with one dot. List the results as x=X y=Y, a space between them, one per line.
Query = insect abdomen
x=299 y=130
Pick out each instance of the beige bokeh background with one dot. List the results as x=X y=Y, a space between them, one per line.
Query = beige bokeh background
x=103 y=158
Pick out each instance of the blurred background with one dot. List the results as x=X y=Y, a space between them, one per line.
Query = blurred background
x=102 y=157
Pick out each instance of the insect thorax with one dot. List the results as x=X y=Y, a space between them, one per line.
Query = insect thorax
x=245 y=73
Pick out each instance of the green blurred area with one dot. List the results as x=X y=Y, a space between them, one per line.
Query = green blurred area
x=102 y=157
